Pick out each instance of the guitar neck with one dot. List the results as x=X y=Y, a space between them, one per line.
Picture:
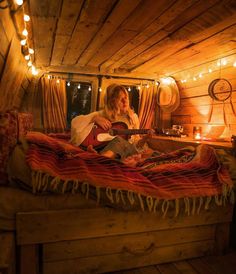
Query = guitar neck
x=115 y=131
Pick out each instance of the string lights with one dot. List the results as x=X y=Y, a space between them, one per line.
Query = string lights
x=215 y=66
x=83 y=85
x=27 y=50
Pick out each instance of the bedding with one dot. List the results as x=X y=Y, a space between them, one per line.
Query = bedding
x=190 y=176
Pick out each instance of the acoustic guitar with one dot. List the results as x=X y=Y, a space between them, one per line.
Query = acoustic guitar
x=99 y=137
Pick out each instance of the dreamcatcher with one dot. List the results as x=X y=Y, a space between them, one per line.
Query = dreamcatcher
x=220 y=90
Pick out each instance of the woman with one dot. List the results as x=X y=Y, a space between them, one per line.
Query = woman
x=117 y=109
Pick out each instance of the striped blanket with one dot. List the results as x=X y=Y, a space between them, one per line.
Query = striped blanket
x=187 y=173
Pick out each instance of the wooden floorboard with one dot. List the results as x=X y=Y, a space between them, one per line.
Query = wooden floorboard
x=225 y=264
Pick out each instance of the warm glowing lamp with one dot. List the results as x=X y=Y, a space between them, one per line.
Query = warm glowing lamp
x=197 y=133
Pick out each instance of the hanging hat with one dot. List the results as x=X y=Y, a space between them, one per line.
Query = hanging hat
x=168 y=97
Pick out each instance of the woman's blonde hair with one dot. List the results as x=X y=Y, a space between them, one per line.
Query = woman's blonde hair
x=112 y=94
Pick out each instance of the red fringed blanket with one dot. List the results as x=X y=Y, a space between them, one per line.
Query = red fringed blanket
x=56 y=164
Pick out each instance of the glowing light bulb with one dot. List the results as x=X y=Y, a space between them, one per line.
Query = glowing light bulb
x=23 y=42
x=139 y=88
x=194 y=79
x=34 y=70
x=25 y=32
x=27 y=57
x=147 y=86
x=26 y=18
x=19 y=2
x=218 y=63
x=166 y=81
x=210 y=70
x=200 y=75
x=234 y=64
x=129 y=89
x=31 y=51
x=78 y=86
x=68 y=84
x=224 y=62
x=58 y=81
x=100 y=89
x=29 y=64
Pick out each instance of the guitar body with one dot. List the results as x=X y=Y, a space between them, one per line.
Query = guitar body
x=93 y=137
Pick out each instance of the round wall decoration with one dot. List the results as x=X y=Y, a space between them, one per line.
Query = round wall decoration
x=220 y=89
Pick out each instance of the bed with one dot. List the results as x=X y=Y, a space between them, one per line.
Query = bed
x=74 y=212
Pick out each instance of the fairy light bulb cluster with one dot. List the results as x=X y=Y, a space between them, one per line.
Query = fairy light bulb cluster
x=28 y=52
x=223 y=62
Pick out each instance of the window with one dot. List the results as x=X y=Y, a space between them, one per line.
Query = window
x=133 y=97
x=79 y=96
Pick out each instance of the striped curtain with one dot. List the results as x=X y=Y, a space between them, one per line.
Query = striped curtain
x=54 y=104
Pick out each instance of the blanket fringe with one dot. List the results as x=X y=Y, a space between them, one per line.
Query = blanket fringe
x=43 y=182
x=149 y=201
x=109 y=194
x=165 y=207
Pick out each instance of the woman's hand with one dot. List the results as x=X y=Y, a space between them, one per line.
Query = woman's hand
x=141 y=142
x=102 y=122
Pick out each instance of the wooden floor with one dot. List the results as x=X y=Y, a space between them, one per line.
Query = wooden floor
x=225 y=264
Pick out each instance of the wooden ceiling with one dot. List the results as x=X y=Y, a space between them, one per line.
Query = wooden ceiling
x=135 y=38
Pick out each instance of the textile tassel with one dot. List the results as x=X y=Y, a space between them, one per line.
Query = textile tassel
x=85 y=189
x=194 y=205
x=130 y=195
x=64 y=186
x=225 y=120
x=200 y=204
x=141 y=202
x=39 y=180
x=109 y=194
x=45 y=182
x=218 y=200
x=155 y=206
x=165 y=207
x=149 y=201
x=224 y=190
x=232 y=197
x=54 y=183
x=117 y=196
x=207 y=203
x=176 y=207
x=75 y=186
x=34 y=183
x=122 y=198
x=187 y=205
x=232 y=106
x=98 y=193
x=211 y=111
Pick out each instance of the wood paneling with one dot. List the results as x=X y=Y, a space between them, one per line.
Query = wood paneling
x=196 y=104
x=131 y=38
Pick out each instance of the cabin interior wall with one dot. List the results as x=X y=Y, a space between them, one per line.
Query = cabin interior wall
x=14 y=74
x=196 y=104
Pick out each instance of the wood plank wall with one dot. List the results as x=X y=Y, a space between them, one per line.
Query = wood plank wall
x=14 y=75
x=195 y=106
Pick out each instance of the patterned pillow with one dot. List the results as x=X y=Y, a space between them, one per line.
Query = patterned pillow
x=12 y=126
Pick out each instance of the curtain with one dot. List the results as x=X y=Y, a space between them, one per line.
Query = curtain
x=54 y=104
x=148 y=106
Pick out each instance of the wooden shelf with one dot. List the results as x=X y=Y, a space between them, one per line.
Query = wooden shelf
x=166 y=143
